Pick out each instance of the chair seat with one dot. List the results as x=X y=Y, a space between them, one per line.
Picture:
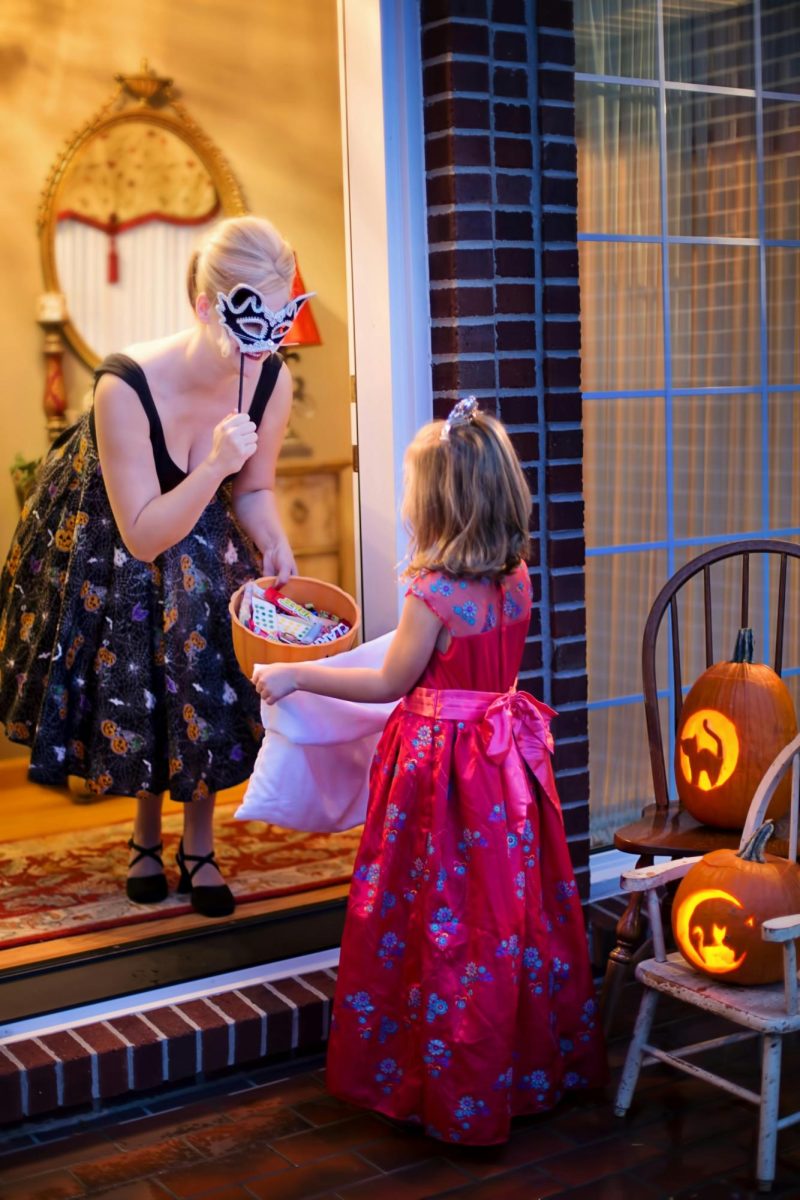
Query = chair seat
x=673 y=832
x=761 y=1008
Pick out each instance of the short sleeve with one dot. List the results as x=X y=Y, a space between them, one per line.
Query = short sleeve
x=464 y=606
x=435 y=590
x=517 y=595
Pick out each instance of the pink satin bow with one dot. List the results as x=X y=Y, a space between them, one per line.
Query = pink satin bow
x=516 y=727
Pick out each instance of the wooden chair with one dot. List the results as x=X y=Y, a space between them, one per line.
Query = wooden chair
x=768 y=1011
x=666 y=828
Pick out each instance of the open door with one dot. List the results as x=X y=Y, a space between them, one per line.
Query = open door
x=97 y=954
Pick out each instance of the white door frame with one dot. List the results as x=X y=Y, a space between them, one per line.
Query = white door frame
x=384 y=180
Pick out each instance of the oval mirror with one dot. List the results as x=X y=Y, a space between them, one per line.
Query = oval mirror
x=123 y=208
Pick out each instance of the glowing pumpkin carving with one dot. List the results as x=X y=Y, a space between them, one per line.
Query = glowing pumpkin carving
x=719 y=907
x=735 y=719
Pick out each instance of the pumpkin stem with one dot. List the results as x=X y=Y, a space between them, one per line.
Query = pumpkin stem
x=753 y=851
x=743 y=650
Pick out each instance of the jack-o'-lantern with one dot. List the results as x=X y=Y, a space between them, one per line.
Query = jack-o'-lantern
x=735 y=719
x=720 y=905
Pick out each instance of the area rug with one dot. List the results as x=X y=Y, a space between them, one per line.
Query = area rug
x=74 y=883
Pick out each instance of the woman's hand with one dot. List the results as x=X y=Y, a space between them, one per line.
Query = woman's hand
x=279 y=561
x=273 y=681
x=235 y=440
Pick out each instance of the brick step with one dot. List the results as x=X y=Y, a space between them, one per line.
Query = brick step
x=71 y=1068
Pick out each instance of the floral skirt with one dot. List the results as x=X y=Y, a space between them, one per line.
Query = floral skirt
x=464 y=994
x=115 y=670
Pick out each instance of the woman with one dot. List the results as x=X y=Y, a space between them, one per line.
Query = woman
x=117 y=663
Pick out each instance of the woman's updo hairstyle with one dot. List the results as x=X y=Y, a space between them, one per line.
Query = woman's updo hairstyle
x=241 y=250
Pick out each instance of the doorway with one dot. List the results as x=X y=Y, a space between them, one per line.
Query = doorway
x=353 y=364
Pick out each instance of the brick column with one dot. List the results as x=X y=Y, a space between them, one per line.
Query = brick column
x=500 y=156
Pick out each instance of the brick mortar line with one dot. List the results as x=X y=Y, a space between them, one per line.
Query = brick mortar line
x=263 y=1021
x=198 y=1037
x=231 y=1023
x=128 y=1051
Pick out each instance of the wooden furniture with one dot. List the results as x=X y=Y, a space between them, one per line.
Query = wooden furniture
x=768 y=1011
x=315 y=502
x=666 y=828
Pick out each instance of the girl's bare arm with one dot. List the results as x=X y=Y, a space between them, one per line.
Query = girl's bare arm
x=409 y=653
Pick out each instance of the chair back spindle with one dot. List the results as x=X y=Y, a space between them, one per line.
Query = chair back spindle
x=667 y=601
x=708 y=616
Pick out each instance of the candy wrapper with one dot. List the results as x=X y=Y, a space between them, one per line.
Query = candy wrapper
x=271 y=615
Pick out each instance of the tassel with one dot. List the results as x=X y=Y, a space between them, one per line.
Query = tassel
x=113 y=257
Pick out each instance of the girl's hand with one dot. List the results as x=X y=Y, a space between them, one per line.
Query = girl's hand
x=279 y=561
x=235 y=440
x=273 y=681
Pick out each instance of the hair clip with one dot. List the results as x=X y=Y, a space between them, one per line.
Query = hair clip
x=462 y=413
x=251 y=324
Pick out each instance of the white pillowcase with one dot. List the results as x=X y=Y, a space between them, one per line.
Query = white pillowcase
x=312 y=771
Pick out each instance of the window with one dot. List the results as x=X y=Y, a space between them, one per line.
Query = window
x=688 y=118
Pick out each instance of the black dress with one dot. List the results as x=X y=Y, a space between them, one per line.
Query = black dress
x=115 y=670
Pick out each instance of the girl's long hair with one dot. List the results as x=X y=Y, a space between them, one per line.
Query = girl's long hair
x=466 y=503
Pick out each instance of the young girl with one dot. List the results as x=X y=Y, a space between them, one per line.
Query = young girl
x=464 y=995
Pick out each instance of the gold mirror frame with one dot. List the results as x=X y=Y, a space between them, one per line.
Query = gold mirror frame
x=145 y=97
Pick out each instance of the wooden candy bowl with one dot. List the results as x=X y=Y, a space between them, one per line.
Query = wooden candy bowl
x=251 y=649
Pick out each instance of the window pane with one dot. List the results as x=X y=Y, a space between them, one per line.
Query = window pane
x=782 y=168
x=615 y=37
x=709 y=42
x=621 y=316
x=783 y=314
x=780 y=46
x=620 y=588
x=624 y=471
x=784 y=456
x=726 y=602
x=711 y=165
x=620 y=779
x=618 y=175
x=714 y=298
x=717 y=464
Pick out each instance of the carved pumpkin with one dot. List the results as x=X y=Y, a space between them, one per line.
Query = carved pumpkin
x=720 y=904
x=733 y=722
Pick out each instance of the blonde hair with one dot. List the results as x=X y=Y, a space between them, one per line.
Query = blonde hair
x=466 y=503
x=241 y=250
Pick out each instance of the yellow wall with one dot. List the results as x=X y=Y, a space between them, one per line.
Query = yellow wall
x=261 y=78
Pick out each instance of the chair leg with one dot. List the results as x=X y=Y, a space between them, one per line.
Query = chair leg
x=633 y=1059
x=768 y=1110
x=629 y=937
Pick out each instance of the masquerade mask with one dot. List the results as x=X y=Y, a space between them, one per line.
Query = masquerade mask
x=461 y=414
x=254 y=327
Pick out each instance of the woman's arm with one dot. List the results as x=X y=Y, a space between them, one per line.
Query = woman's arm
x=408 y=655
x=254 y=487
x=149 y=522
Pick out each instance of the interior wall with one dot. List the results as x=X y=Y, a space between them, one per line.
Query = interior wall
x=261 y=80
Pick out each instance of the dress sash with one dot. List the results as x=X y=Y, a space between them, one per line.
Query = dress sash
x=515 y=729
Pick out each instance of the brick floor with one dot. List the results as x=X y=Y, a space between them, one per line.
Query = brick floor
x=251 y=1135
x=254 y=1135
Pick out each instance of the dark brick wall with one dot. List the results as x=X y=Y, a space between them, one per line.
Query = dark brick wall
x=500 y=157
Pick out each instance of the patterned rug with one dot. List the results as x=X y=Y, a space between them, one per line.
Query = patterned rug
x=72 y=883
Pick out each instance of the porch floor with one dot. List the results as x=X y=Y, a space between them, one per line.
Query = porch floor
x=275 y=1134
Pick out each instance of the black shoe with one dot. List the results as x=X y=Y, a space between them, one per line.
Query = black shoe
x=146 y=889
x=208 y=901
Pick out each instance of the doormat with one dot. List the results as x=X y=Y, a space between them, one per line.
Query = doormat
x=73 y=883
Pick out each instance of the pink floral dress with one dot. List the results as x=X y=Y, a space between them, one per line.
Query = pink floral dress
x=465 y=995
